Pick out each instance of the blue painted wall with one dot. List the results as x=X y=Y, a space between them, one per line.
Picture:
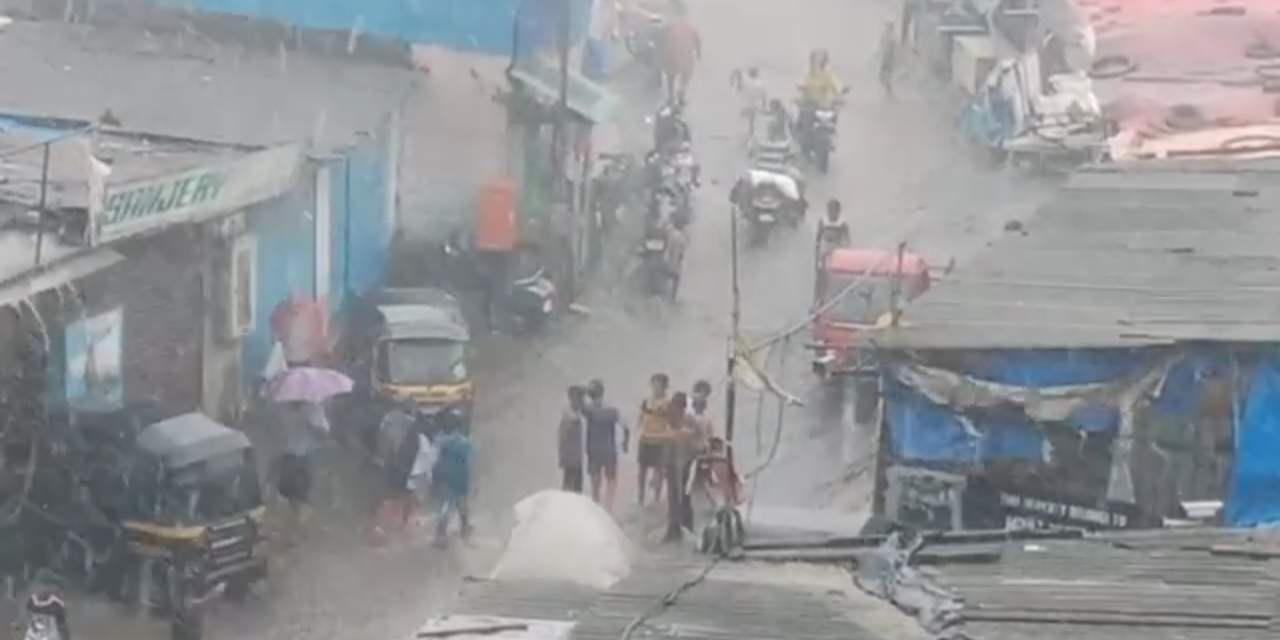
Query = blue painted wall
x=360 y=228
x=284 y=230
x=537 y=25
x=482 y=26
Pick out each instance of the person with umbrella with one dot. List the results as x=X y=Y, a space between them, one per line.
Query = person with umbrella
x=301 y=393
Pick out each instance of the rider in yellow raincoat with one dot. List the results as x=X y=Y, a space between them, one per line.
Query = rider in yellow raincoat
x=819 y=89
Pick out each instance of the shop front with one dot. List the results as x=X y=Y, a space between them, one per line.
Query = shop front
x=553 y=174
x=174 y=318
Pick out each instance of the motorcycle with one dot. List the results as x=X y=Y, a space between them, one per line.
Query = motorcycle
x=531 y=302
x=611 y=189
x=817 y=136
x=655 y=273
x=766 y=199
x=762 y=214
x=672 y=180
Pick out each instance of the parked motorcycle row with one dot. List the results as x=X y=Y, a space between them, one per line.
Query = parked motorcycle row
x=671 y=179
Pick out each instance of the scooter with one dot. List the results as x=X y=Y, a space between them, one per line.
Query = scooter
x=531 y=302
x=655 y=274
x=818 y=138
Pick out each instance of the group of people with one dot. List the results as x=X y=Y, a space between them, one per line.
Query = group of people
x=426 y=460
x=674 y=435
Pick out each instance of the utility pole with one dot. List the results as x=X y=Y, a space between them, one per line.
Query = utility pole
x=560 y=147
x=735 y=336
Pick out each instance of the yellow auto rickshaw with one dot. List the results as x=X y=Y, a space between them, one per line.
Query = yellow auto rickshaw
x=422 y=351
x=195 y=512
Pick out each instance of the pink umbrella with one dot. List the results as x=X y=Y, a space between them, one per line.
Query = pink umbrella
x=309 y=384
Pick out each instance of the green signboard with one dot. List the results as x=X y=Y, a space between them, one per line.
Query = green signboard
x=194 y=195
x=152 y=199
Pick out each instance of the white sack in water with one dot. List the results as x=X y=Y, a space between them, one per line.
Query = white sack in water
x=562 y=536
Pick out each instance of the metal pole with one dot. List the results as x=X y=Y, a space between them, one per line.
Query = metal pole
x=560 y=146
x=895 y=301
x=44 y=192
x=731 y=388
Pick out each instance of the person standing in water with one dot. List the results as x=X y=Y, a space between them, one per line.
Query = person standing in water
x=681 y=51
x=655 y=433
x=572 y=425
x=452 y=477
x=607 y=436
x=679 y=454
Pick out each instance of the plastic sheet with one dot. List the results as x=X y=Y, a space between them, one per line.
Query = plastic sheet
x=886 y=573
x=552 y=526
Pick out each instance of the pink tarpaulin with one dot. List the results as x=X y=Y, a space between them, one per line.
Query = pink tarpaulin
x=1186 y=66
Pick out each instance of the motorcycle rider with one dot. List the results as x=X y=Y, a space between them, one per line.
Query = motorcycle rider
x=833 y=232
x=773 y=153
x=45 y=602
x=818 y=90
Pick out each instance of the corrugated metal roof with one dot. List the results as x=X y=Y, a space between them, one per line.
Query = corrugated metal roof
x=1091 y=589
x=1121 y=257
x=761 y=601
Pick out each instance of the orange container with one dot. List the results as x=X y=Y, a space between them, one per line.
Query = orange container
x=496 y=207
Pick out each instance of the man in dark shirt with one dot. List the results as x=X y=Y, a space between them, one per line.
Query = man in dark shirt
x=607 y=435
x=571 y=439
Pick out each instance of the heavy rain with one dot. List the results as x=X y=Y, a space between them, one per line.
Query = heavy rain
x=535 y=319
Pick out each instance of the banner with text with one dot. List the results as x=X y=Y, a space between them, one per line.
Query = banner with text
x=137 y=207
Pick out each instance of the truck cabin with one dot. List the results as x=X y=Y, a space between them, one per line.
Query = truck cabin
x=873 y=278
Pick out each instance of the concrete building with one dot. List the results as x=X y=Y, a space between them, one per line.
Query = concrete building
x=261 y=183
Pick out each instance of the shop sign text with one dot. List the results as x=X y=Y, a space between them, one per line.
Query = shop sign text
x=195 y=195
x=1025 y=512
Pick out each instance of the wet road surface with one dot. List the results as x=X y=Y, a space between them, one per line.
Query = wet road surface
x=902 y=175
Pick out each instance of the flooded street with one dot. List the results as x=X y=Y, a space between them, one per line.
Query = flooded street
x=902 y=176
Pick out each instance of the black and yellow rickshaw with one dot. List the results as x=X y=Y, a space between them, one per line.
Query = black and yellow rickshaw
x=421 y=351
x=194 y=514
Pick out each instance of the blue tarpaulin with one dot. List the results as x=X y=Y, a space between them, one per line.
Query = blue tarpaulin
x=1254 y=497
x=924 y=431
x=1055 y=367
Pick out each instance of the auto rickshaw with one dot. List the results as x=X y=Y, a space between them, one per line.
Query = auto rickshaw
x=159 y=513
x=421 y=351
x=194 y=521
x=856 y=290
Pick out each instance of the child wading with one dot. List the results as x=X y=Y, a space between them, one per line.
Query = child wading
x=452 y=479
